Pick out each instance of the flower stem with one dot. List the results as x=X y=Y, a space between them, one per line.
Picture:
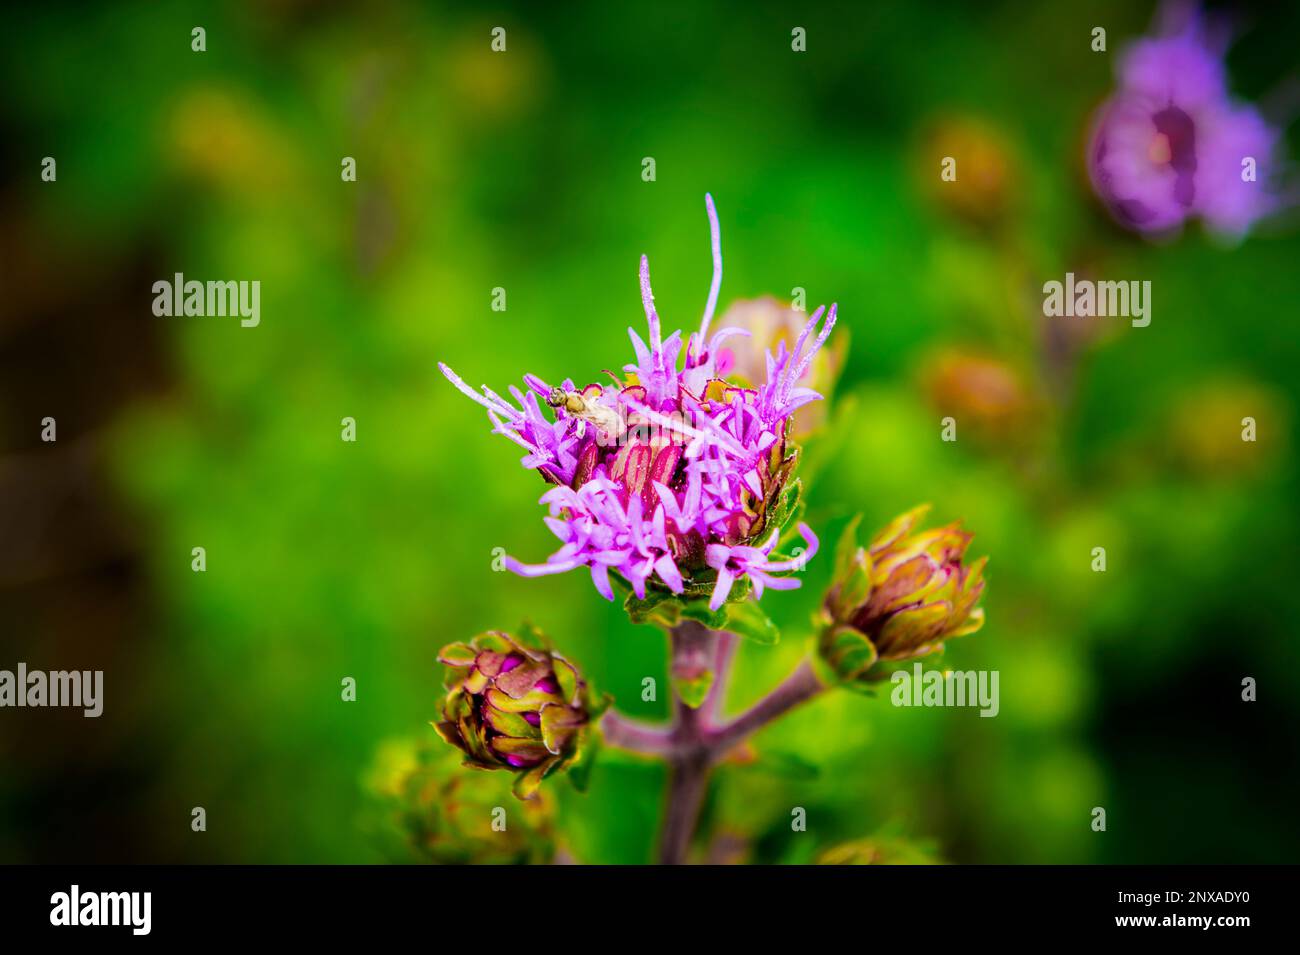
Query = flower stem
x=632 y=735
x=695 y=739
x=799 y=687
x=723 y=651
x=688 y=781
x=695 y=649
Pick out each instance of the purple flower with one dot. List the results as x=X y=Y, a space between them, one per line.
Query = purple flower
x=670 y=474
x=1171 y=144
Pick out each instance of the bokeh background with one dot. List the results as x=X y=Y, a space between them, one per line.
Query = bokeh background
x=523 y=170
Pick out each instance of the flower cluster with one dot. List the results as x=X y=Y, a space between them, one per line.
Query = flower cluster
x=899 y=597
x=1172 y=144
x=671 y=475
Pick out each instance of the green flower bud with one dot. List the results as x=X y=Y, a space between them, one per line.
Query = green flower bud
x=514 y=704
x=899 y=597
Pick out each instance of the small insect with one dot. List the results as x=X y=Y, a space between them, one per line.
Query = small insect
x=584 y=404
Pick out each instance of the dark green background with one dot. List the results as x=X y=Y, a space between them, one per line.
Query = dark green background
x=523 y=170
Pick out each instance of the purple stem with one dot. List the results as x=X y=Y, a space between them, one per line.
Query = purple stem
x=688 y=780
x=698 y=742
x=695 y=740
x=724 y=649
x=633 y=735
x=694 y=651
x=799 y=687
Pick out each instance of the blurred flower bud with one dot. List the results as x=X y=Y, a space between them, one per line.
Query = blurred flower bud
x=222 y=138
x=878 y=850
x=985 y=394
x=899 y=597
x=424 y=806
x=982 y=191
x=770 y=322
x=1227 y=428
x=514 y=704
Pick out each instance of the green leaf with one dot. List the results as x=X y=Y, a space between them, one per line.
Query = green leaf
x=693 y=690
x=748 y=620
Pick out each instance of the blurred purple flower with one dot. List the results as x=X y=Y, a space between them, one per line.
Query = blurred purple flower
x=1171 y=143
x=672 y=471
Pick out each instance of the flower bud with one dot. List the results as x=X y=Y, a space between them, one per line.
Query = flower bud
x=770 y=322
x=989 y=396
x=514 y=704
x=899 y=597
x=985 y=191
x=424 y=808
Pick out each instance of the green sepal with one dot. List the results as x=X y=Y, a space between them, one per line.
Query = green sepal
x=510 y=724
x=495 y=640
x=748 y=620
x=526 y=783
x=847 y=547
x=532 y=638
x=665 y=609
x=852 y=588
x=659 y=607
x=787 y=511
x=584 y=760
x=457 y=654
x=846 y=651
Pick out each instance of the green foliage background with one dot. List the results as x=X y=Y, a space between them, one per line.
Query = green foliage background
x=522 y=170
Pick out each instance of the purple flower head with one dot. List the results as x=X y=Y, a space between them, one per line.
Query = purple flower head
x=1171 y=143
x=670 y=475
